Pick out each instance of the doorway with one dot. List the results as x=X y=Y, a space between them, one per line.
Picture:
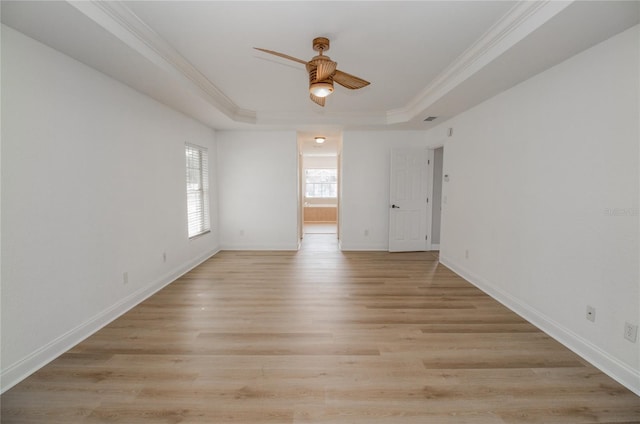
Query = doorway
x=415 y=174
x=319 y=170
x=408 y=183
x=320 y=208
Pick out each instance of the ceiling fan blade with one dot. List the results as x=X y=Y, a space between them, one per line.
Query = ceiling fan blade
x=349 y=81
x=286 y=56
x=325 y=69
x=318 y=100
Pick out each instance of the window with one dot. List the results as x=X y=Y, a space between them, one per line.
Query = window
x=197 y=190
x=321 y=183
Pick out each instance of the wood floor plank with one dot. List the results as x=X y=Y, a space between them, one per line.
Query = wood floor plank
x=320 y=336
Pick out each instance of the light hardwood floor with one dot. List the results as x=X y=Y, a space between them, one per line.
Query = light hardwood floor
x=321 y=228
x=320 y=336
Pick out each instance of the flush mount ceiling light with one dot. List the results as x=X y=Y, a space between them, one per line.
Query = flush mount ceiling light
x=320 y=140
x=321 y=88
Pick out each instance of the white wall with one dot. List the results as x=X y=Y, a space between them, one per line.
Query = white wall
x=93 y=185
x=258 y=177
x=320 y=161
x=366 y=157
x=535 y=174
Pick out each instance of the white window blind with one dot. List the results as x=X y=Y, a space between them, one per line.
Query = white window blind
x=197 y=190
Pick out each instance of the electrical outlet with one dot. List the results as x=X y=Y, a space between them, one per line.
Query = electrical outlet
x=591 y=313
x=466 y=254
x=366 y=233
x=164 y=256
x=630 y=332
x=125 y=278
x=241 y=232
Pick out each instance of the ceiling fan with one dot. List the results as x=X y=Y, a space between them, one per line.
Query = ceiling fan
x=323 y=72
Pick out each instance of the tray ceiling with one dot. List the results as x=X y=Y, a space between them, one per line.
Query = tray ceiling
x=431 y=58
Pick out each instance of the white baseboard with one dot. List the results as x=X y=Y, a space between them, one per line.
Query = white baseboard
x=614 y=368
x=435 y=246
x=279 y=247
x=363 y=248
x=21 y=369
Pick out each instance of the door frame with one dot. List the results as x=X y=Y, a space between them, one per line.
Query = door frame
x=301 y=137
x=300 y=196
x=430 y=189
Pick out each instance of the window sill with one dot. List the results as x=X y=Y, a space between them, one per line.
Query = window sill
x=199 y=235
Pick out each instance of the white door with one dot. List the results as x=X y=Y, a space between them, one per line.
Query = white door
x=408 y=200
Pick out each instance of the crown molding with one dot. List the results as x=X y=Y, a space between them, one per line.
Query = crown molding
x=324 y=118
x=121 y=22
x=520 y=21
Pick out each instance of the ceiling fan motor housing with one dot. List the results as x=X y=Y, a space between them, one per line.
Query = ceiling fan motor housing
x=321 y=70
x=320 y=44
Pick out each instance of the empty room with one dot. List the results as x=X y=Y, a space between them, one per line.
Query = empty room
x=320 y=212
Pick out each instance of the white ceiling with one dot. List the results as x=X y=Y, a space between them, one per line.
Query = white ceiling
x=398 y=46
x=423 y=58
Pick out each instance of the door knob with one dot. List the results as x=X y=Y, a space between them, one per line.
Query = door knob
x=395 y=207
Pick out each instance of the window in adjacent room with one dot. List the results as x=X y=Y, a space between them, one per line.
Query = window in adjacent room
x=197 y=190
x=321 y=183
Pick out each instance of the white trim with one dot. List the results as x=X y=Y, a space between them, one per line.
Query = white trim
x=21 y=369
x=363 y=248
x=520 y=21
x=435 y=246
x=429 y=230
x=333 y=119
x=283 y=246
x=120 y=21
x=613 y=367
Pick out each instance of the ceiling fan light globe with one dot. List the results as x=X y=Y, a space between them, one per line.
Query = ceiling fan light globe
x=321 y=89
